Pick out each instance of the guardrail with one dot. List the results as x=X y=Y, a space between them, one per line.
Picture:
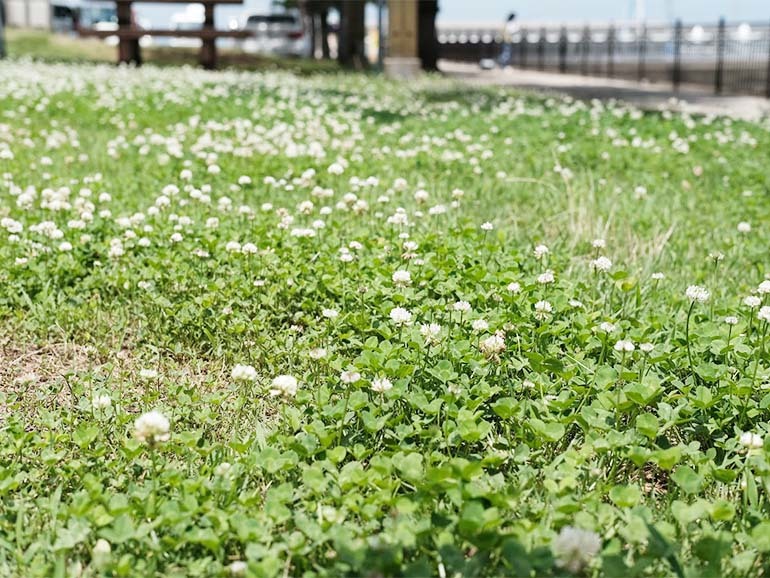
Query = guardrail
x=728 y=58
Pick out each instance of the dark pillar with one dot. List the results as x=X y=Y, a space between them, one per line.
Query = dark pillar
x=352 y=31
x=128 y=49
x=208 y=56
x=427 y=40
x=720 y=64
x=325 y=52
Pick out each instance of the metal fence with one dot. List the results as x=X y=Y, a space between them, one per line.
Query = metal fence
x=731 y=59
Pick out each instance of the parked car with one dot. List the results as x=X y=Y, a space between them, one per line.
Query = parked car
x=278 y=33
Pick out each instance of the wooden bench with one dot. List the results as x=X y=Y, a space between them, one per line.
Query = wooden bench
x=128 y=34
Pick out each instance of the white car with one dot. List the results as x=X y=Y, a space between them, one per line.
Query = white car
x=278 y=33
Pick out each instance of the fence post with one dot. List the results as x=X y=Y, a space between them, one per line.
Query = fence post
x=2 y=29
x=642 y=39
x=523 y=48
x=676 y=76
x=611 y=51
x=563 y=52
x=767 y=78
x=719 y=73
x=541 y=50
x=586 y=47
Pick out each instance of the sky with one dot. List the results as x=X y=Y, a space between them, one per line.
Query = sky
x=555 y=11
x=456 y=11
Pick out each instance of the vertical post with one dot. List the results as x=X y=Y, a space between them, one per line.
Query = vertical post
x=312 y=20
x=381 y=34
x=2 y=29
x=676 y=74
x=325 y=51
x=563 y=50
x=523 y=48
x=767 y=78
x=402 y=60
x=541 y=50
x=719 y=72
x=127 y=48
x=208 y=55
x=586 y=48
x=641 y=71
x=611 y=51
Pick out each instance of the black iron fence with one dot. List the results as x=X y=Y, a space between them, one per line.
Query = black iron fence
x=728 y=58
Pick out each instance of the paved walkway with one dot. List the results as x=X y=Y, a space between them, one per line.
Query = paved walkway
x=644 y=95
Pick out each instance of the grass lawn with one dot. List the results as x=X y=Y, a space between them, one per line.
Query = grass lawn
x=264 y=325
x=43 y=46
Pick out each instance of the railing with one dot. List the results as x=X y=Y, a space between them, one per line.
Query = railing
x=728 y=58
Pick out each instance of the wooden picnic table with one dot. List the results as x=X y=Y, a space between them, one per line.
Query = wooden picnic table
x=129 y=34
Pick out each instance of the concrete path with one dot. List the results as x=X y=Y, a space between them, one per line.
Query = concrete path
x=644 y=95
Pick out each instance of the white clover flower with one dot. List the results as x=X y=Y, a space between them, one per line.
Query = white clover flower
x=101 y=552
x=487 y=226
x=244 y=373
x=317 y=353
x=764 y=314
x=543 y=309
x=480 y=325
x=336 y=169
x=330 y=313
x=598 y=243
x=744 y=227
x=148 y=374
x=574 y=548
x=546 y=277
x=646 y=347
x=607 y=327
x=223 y=469
x=400 y=316
x=238 y=568
x=493 y=346
x=101 y=402
x=102 y=547
x=350 y=376
x=233 y=247
x=249 y=249
x=402 y=278
x=462 y=306
x=152 y=427
x=541 y=251
x=731 y=320
x=751 y=441
x=575 y=303
x=421 y=195
x=430 y=332
x=752 y=301
x=697 y=294
x=764 y=287
x=514 y=287
x=381 y=384
x=602 y=264
x=284 y=386
x=658 y=276
x=624 y=345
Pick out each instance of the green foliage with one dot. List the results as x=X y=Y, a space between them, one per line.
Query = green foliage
x=531 y=433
